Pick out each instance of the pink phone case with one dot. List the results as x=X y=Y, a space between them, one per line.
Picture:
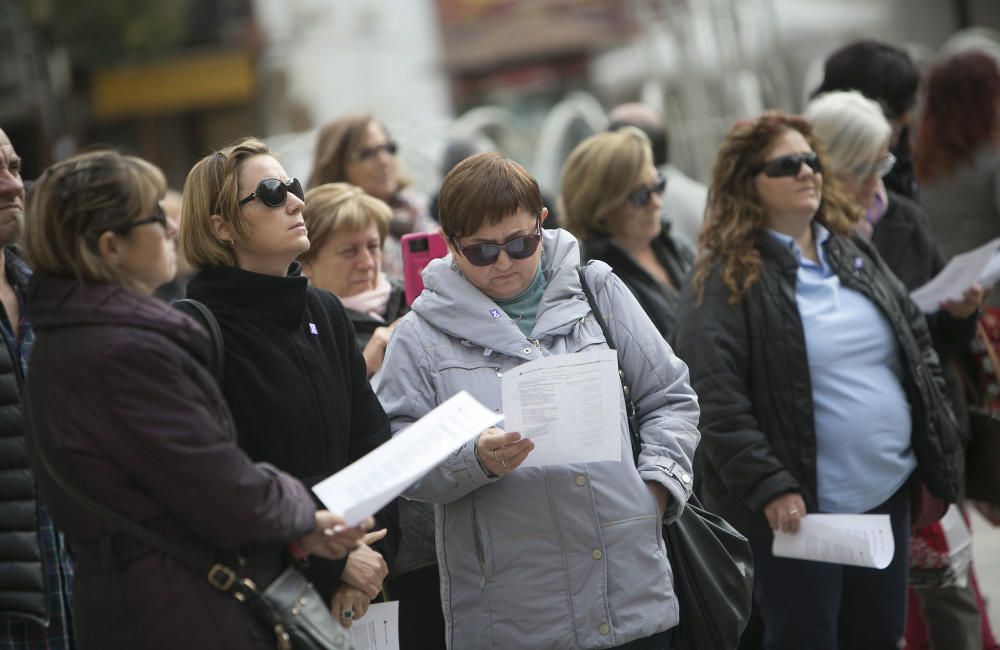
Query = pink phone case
x=419 y=248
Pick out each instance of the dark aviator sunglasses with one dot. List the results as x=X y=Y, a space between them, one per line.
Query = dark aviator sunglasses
x=641 y=196
x=273 y=192
x=518 y=248
x=788 y=165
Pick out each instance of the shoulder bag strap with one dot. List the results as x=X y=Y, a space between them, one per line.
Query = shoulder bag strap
x=219 y=576
x=630 y=409
x=218 y=365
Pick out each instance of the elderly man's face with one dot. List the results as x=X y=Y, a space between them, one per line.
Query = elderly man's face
x=11 y=192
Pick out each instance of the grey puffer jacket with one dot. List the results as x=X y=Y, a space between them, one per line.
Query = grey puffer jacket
x=565 y=556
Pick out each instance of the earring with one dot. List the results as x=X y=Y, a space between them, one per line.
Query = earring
x=454 y=265
x=228 y=242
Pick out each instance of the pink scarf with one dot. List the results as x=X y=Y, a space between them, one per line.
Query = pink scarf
x=372 y=302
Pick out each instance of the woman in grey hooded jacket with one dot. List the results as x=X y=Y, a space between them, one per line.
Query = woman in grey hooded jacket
x=567 y=556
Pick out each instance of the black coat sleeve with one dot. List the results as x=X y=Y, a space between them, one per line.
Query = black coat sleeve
x=713 y=339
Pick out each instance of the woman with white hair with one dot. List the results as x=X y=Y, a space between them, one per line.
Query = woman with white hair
x=856 y=135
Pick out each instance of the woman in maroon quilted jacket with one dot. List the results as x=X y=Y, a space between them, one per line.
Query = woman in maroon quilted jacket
x=121 y=403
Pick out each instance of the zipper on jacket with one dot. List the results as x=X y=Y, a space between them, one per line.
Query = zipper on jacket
x=537 y=343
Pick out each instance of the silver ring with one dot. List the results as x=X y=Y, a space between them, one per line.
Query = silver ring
x=793 y=511
x=347 y=614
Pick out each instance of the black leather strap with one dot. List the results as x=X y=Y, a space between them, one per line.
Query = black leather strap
x=199 y=310
x=630 y=408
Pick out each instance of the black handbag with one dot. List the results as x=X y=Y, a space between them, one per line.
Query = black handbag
x=712 y=562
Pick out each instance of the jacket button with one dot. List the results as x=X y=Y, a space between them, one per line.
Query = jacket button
x=526 y=351
x=604 y=629
x=596 y=554
x=685 y=478
x=581 y=480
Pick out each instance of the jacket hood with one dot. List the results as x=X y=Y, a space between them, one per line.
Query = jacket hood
x=55 y=303
x=452 y=304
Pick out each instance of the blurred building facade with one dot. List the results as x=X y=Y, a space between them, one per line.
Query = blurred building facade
x=170 y=79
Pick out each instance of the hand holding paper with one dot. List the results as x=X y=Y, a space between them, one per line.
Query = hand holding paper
x=857 y=540
x=569 y=405
x=961 y=272
x=363 y=487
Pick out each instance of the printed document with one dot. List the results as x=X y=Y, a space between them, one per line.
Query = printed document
x=570 y=405
x=858 y=540
x=379 y=629
x=961 y=272
x=363 y=487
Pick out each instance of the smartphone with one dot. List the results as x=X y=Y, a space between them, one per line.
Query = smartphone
x=419 y=248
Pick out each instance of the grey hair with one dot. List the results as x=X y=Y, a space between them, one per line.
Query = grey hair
x=852 y=128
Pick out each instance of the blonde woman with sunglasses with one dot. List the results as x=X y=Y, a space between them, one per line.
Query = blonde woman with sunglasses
x=293 y=375
x=612 y=199
x=562 y=556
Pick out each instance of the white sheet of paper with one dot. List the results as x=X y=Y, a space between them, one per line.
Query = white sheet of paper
x=858 y=540
x=570 y=405
x=961 y=272
x=363 y=487
x=991 y=273
x=379 y=629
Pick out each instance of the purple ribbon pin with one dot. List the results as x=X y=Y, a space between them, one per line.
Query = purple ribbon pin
x=495 y=313
x=313 y=329
x=858 y=263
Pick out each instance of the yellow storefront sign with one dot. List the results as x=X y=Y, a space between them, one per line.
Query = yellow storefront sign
x=174 y=85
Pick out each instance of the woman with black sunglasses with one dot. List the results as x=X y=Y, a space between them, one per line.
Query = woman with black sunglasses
x=358 y=149
x=819 y=388
x=612 y=200
x=293 y=375
x=562 y=556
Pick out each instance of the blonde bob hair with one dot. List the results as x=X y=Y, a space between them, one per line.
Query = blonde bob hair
x=599 y=175
x=852 y=128
x=212 y=188
x=77 y=200
x=341 y=207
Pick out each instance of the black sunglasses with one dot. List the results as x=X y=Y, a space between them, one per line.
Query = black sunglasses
x=641 y=196
x=159 y=217
x=273 y=192
x=788 y=165
x=518 y=248
x=368 y=153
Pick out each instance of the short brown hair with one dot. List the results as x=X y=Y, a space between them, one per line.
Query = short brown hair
x=336 y=207
x=599 y=175
x=212 y=188
x=77 y=200
x=734 y=215
x=484 y=190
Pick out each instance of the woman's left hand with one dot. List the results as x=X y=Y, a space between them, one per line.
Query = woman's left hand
x=971 y=300
x=661 y=495
x=348 y=604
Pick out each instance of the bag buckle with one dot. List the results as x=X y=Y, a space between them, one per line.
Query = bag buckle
x=221 y=577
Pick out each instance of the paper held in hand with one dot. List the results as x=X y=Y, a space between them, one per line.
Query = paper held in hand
x=379 y=629
x=961 y=272
x=570 y=405
x=857 y=540
x=363 y=487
